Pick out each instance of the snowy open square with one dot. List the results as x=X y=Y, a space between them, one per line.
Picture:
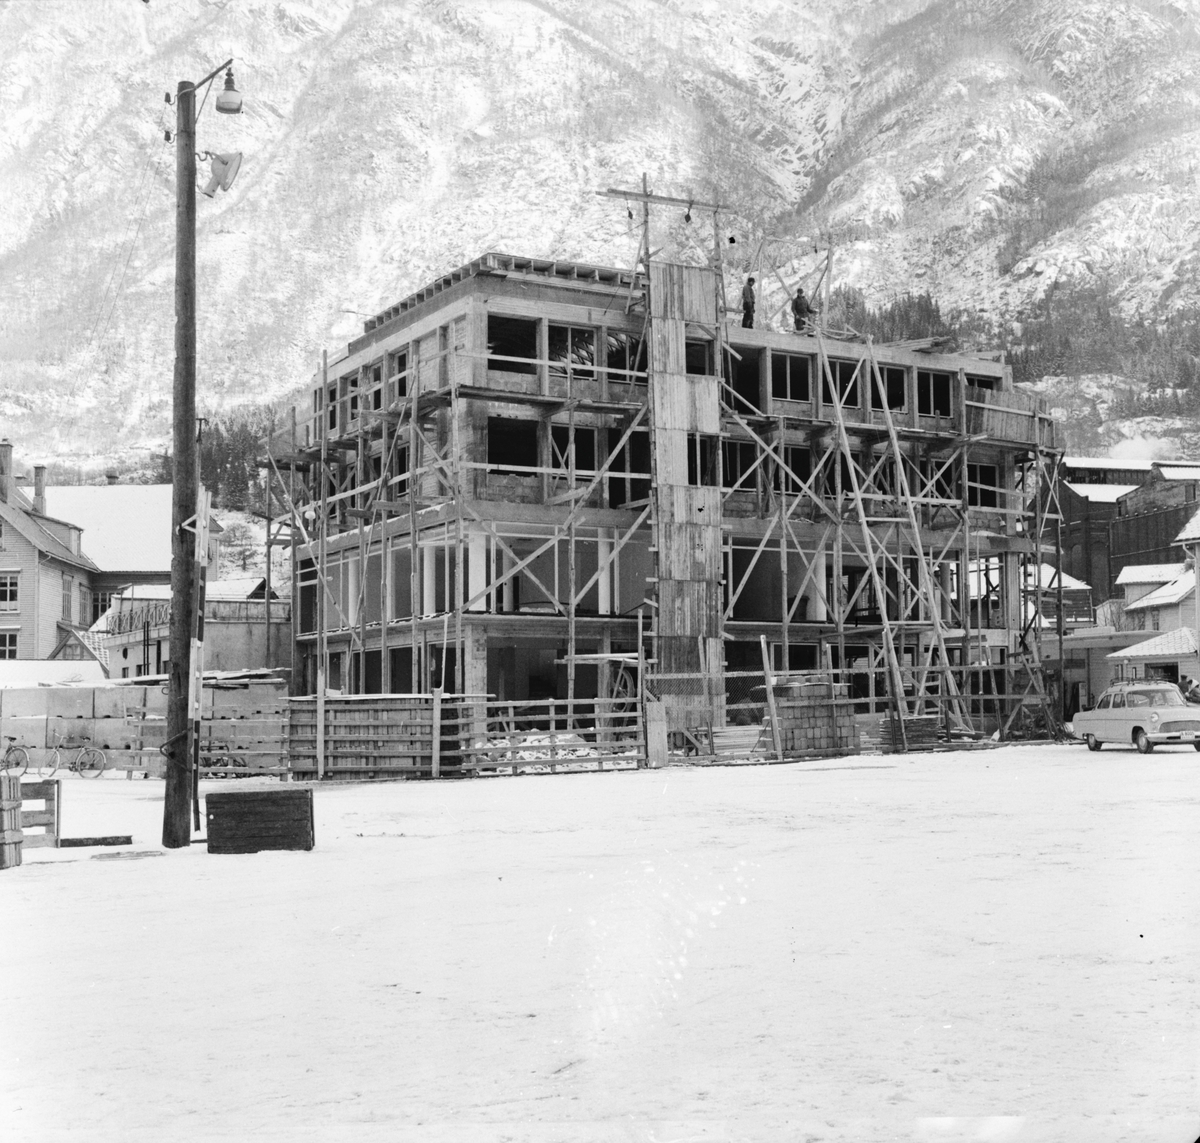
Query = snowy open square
x=999 y=945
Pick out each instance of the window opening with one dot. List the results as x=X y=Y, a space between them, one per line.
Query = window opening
x=9 y=592
x=702 y=460
x=892 y=393
x=629 y=475
x=737 y=459
x=572 y=348
x=845 y=377
x=512 y=445
x=627 y=352
x=790 y=377
x=512 y=337
x=983 y=485
x=698 y=357
x=933 y=393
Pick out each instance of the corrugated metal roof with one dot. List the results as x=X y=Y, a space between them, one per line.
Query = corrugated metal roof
x=1167 y=595
x=1150 y=573
x=1170 y=644
x=126 y=527
x=1100 y=493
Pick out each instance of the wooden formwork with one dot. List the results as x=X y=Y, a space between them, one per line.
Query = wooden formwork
x=450 y=736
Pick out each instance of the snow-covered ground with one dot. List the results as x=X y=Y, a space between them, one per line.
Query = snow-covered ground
x=994 y=946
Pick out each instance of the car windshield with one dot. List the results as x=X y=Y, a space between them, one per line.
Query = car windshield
x=1168 y=696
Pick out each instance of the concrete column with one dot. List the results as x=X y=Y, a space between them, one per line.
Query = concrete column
x=428 y=580
x=477 y=545
x=604 y=583
x=819 y=611
x=507 y=594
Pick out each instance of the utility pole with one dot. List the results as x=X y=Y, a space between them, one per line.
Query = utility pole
x=185 y=521
x=177 y=799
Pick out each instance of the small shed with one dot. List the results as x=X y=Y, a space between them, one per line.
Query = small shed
x=1170 y=656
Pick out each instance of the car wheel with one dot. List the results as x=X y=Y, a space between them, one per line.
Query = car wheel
x=1143 y=744
x=1094 y=743
x=1196 y=745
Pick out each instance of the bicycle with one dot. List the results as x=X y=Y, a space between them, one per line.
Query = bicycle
x=15 y=761
x=88 y=760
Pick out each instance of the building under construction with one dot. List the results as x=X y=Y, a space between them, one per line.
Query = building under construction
x=536 y=479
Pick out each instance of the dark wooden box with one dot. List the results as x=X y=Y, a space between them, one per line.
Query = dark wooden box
x=253 y=820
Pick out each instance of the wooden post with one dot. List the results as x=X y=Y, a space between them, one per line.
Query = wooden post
x=773 y=714
x=436 y=771
x=10 y=822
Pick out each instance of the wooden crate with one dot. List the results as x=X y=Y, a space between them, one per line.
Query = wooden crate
x=49 y=793
x=253 y=820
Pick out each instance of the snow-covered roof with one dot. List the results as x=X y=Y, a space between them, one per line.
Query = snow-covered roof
x=17 y=513
x=1191 y=531
x=1170 y=644
x=1100 y=493
x=1177 y=470
x=1149 y=573
x=126 y=527
x=50 y=672
x=1069 y=582
x=1105 y=462
x=1168 y=594
x=225 y=589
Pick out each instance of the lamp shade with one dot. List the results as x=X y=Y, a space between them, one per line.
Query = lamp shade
x=224 y=171
x=229 y=102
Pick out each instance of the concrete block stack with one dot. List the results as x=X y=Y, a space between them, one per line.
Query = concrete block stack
x=816 y=719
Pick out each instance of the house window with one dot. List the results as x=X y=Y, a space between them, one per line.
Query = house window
x=888 y=389
x=933 y=393
x=68 y=596
x=702 y=459
x=8 y=644
x=983 y=485
x=737 y=460
x=101 y=601
x=512 y=445
x=845 y=377
x=626 y=354
x=572 y=349
x=789 y=377
x=9 y=593
x=331 y=404
x=85 y=606
x=982 y=382
x=512 y=337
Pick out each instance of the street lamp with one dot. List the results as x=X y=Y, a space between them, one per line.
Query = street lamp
x=177 y=800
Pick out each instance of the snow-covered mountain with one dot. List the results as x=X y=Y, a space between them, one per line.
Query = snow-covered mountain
x=985 y=150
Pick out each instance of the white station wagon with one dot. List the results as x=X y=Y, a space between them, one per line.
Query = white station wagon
x=1143 y=713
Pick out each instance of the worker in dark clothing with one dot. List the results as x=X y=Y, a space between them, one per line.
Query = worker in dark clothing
x=748 y=304
x=802 y=311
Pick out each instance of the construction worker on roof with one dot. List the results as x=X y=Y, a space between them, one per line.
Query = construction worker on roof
x=748 y=304
x=802 y=310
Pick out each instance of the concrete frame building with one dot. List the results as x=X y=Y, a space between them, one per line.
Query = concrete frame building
x=530 y=475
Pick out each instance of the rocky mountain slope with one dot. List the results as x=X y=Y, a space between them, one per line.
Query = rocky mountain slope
x=989 y=151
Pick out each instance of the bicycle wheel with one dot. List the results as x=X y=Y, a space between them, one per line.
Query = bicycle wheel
x=48 y=767
x=16 y=762
x=90 y=762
